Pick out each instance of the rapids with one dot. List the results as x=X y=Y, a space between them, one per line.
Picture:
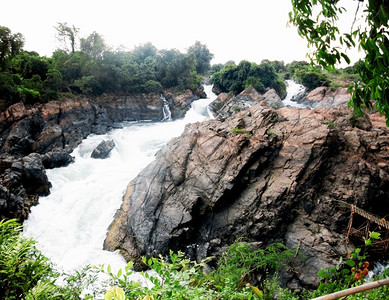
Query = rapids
x=71 y=223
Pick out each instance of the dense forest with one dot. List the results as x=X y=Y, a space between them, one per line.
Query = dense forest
x=95 y=69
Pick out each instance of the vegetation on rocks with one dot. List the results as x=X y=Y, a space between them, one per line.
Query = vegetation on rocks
x=242 y=272
x=235 y=78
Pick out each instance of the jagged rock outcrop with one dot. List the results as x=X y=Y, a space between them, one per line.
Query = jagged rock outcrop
x=23 y=180
x=55 y=128
x=325 y=97
x=56 y=159
x=103 y=149
x=224 y=106
x=263 y=175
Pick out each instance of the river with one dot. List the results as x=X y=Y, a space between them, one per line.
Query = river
x=71 y=223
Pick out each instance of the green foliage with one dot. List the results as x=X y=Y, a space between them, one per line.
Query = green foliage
x=235 y=78
x=237 y=130
x=26 y=274
x=175 y=277
x=307 y=75
x=240 y=263
x=317 y=22
x=24 y=271
x=202 y=56
x=95 y=69
x=67 y=34
x=349 y=273
x=10 y=45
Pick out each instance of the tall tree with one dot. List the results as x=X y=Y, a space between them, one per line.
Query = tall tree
x=203 y=57
x=317 y=21
x=94 y=45
x=10 y=45
x=66 y=34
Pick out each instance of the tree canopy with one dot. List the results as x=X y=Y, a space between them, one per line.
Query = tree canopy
x=317 y=21
x=88 y=66
x=235 y=78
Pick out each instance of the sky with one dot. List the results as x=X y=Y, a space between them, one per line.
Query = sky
x=250 y=30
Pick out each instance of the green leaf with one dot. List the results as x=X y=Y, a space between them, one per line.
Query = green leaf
x=375 y=235
x=256 y=290
x=350 y=263
x=368 y=242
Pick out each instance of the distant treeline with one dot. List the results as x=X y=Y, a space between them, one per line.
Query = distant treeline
x=234 y=78
x=94 y=69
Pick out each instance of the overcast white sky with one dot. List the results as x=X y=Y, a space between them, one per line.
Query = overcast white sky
x=232 y=30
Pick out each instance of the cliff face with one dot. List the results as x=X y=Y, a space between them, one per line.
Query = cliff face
x=263 y=175
x=43 y=135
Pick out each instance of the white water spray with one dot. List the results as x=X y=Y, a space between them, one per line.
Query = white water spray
x=167 y=115
x=293 y=89
x=71 y=223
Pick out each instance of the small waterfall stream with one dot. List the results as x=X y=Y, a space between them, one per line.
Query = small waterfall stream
x=293 y=90
x=167 y=115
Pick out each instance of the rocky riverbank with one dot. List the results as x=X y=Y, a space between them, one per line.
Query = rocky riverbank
x=263 y=175
x=34 y=138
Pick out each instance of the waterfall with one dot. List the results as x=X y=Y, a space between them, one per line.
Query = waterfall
x=294 y=90
x=167 y=115
x=70 y=224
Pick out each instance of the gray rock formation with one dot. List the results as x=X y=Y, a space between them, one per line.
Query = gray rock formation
x=224 y=106
x=263 y=175
x=55 y=128
x=325 y=97
x=103 y=149
x=23 y=180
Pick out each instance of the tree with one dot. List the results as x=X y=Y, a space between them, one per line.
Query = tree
x=66 y=32
x=317 y=22
x=203 y=57
x=235 y=78
x=93 y=45
x=10 y=45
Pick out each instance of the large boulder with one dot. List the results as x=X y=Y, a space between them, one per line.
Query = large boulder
x=22 y=181
x=225 y=106
x=325 y=97
x=57 y=159
x=103 y=149
x=262 y=174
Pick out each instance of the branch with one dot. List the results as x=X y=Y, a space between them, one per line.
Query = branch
x=354 y=290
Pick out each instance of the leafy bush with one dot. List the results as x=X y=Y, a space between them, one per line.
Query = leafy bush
x=175 y=277
x=24 y=271
x=235 y=78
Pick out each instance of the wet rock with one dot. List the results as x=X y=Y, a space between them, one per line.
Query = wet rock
x=34 y=178
x=22 y=181
x=103 y=149
x=57 y=159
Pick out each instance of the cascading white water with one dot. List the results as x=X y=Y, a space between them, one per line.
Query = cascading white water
x=167 y=115
x=71 y=223
x=293 y=89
